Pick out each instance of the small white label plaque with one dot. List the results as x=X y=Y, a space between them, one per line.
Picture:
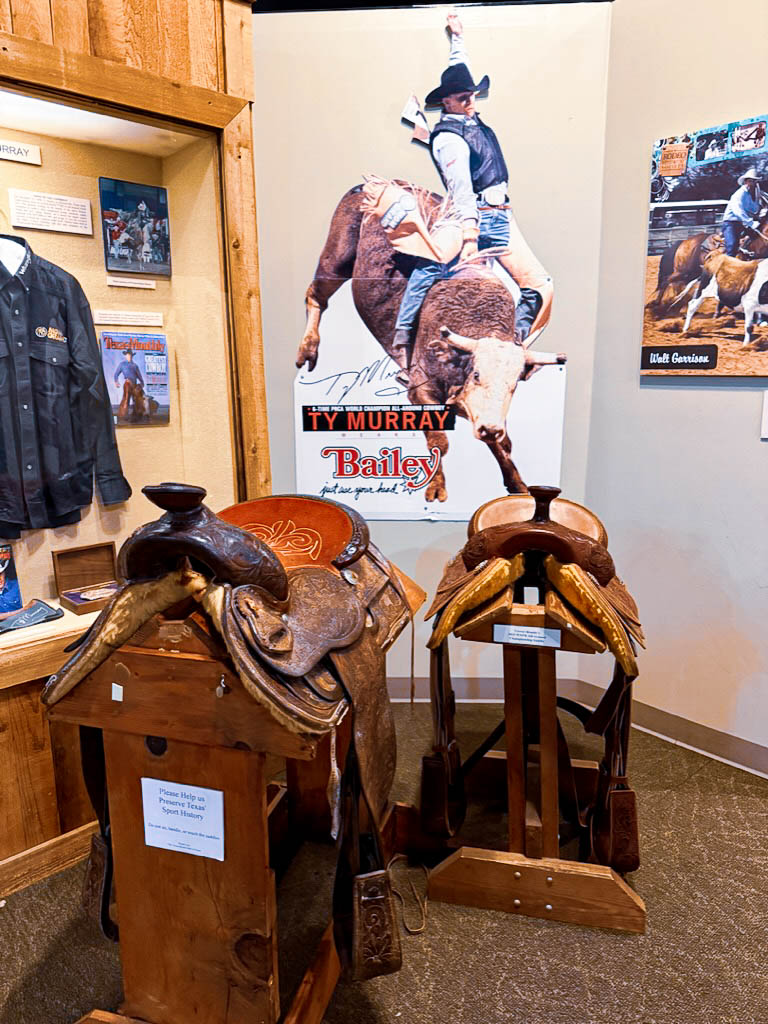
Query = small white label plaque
x=529 y=636
x=117 y=691
x=20 y=152
x=129 y=282
x=188 y=819
x=128 y=317
x=49 y=212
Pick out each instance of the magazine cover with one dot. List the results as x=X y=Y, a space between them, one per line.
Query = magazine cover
x=135 y=227
x=136 y=372
x=706 y=288
x=10 y=591
x=425 y=382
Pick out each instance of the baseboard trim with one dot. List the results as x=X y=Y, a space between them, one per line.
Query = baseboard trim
x=711 y=742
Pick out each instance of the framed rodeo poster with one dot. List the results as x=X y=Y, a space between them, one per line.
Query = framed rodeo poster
x=706 y=287
x=420 y=365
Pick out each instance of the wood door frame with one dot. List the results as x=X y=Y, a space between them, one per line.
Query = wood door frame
x=95 y=83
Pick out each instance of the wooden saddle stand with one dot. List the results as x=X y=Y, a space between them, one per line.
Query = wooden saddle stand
x=551 y=797
x=235 y=639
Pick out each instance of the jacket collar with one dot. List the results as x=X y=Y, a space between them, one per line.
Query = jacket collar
x=22 y=274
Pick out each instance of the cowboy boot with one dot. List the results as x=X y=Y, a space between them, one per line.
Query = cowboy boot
x=401 y=353
x=527 y=309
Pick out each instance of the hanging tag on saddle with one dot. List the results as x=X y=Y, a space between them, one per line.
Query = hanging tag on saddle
x=375 y=932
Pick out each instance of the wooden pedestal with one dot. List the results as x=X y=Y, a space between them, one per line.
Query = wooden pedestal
x=198 y=936
x=530 y=878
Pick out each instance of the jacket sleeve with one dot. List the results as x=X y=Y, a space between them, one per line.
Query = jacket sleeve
x=98 y=428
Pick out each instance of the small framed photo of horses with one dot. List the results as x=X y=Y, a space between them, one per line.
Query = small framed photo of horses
x=135 y=227
x=706 y=285
x=136 y=372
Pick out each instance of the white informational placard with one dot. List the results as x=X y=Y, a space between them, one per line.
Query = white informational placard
x=529 y=636
x=48 y=212
x=127 y=317
x=130 y=282
x=383 y=471
x=188 y=819
x=764 y=421
x=19 y=152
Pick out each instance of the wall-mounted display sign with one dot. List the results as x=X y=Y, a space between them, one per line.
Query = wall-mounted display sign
x=19 y=152
x=706 y=286
x=135 y=227
x=48 y=212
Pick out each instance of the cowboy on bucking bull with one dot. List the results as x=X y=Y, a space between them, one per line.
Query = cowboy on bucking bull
x=472 y=167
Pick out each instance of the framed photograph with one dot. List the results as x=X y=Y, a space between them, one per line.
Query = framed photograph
x=706 y=286
x=135 y=227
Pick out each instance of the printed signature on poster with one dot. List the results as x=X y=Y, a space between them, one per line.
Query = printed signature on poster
x=339 y=386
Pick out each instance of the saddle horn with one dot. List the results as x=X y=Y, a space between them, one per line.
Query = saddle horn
x=190 y=530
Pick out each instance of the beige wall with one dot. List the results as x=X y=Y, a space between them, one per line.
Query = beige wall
x=337 y=82
x=196 y=446
x=678 y=472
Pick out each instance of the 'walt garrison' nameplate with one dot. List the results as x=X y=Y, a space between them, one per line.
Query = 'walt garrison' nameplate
x=188 y=819
x=529 y=636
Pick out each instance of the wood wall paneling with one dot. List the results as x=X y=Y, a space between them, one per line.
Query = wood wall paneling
x=80 y=75
x=106 y=26
x=70 y=25
x=238 y=48
x=32 y=19
x=204 y=27
x=28 y=814
x=243 y=259
x=6 y=21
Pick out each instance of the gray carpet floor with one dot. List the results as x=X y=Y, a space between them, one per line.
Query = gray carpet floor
x=703 y=959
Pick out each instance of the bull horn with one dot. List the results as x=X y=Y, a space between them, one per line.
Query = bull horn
x=458 y=340
x=545 y=358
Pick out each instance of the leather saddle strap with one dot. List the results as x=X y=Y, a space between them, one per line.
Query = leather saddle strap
x=361 y=668
x=606 y=710
x=364 y=922
x=443 y=803
x=97 y=884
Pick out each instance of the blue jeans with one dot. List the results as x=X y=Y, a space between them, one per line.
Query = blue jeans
x=494 y=230
x=732 y=234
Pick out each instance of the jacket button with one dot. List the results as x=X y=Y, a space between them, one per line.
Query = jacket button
x=54 y=359
x=29 y=465
x=25 y=407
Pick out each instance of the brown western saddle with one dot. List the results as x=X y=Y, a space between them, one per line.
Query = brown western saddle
x=306 y=607
x=559 y=547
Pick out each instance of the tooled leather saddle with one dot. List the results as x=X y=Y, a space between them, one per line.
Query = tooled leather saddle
x=561 y=550
x=306 y=607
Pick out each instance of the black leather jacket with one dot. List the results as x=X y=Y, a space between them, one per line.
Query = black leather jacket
x=56 y=425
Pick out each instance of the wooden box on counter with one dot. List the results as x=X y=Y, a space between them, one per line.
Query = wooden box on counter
x=86 y=577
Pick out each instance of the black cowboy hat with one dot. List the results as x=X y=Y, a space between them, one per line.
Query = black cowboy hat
x=128 y=352
x=457 y=78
